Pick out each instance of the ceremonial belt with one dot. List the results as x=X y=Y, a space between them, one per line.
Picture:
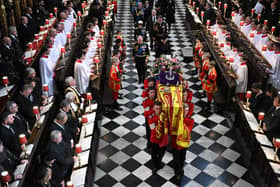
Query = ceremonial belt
x=140 y=56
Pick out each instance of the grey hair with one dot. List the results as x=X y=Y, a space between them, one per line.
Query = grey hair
x=68 y=80
x=60 y=116
x=9 y=105
x=69 y=96
x=12 y=29
x=54 y=135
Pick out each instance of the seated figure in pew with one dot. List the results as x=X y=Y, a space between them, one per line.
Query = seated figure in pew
x=60 y=124
x=70 y=97
x=9 y=162
x=42 y=176
x=260 y=101
x=8 y=134
x=47 y=68
x=72 y=121
x=25 y=102
x=30 y=74
x=20 y=125
x=64 y=158
x=271 y=123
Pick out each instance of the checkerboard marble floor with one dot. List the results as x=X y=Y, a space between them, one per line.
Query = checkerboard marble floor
x=212 y=159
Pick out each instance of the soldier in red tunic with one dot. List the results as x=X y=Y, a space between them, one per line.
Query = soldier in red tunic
x=179 y=153
x=115 y=81
x=210 y=84
x=148 y=104
x=157 y=133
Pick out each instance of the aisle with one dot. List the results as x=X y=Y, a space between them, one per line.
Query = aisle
x=212 y=159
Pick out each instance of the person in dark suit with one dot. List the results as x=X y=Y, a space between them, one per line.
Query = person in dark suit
x=7 y=50
x=72 y=120
x=256 y=100
x=42 y=176
x=163 y=48
x=150 y=24
x=25 y=102
x=209 y=14
x=20 y=125
x=59 y=123
x=271 y=123
x=8 y=134
x=41 y=13
x=170 y=13
x=64 y=158
x=32 y=24
x=24 y=32
x=9 y=161
x=15 y=41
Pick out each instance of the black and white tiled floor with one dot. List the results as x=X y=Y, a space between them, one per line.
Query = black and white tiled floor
x=212 y=159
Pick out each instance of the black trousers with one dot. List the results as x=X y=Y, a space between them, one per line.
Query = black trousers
x=179 y=157
x=157 y=154
x=148 y=132
x=141 y=68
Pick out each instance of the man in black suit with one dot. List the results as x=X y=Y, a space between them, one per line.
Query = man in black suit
x=8 y=134
x=25 y=102
x=63 y=155
x=72 y=121
x=7 y=50
x=271 y=123
x=150 y=23
x=59 y=123
x=15 y=41
x=9 y=161
x=41 y=13
x=31 y=20
x=24 y=32
x=209 y=14
x=20 y=125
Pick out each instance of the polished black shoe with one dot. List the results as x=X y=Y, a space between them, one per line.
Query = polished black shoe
x=154 y=171
x=117 y=106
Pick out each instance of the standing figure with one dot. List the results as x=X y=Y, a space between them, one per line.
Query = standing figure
x=140 y=58
x=115 y=81
x=170 y=13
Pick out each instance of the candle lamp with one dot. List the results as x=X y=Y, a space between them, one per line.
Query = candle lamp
x=5 y=177
x=259 y=17
x=36 y=112
x=242 y=23
x=248 y=96
x=62 y=49
x=232 y=14
x=23 y=141
x=261 y=118
x=55 y=11
x=69 y=39
x=252 y=12
x=96 y=60
x=69 y=184
x=51 y=15
x=84 y=122
x=264 y=48
x=99 y=45
x=47 y=23
x=225 y=9
x=197 y=10
x=193 y=4
x=5 y=81
x=219 y=4
x=202 y=15
x=46 y=91
x=273 y=29
x=79 y=16
x=89 y=98
x=276 y=143
x=78 y=149
x=83 y=7
x=265 y=22
x=190 y=2
x=104 y=25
